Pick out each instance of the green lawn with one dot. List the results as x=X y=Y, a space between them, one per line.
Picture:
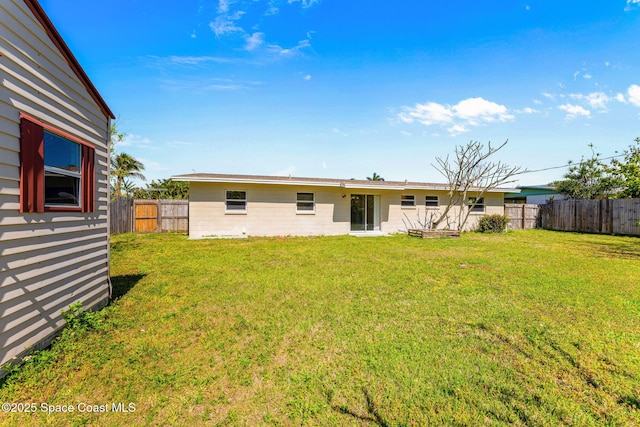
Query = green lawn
x=531 y=328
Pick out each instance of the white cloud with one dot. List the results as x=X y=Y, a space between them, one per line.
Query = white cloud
x=254 y=41
x=134 y=140
x=468 y=112
x=338 y=132
x=272 y=10
x=193 y=60
x=304 y=3
x=152 y=165
x=281 y=51
x=528 y=110
x=457 y=130
x=478 y=110
x=225 y=24
x=620 y=98
x=631 y=4
x=634 y=91
x=585 y=75
x=428 y=114
x=597 y=100
x=229 y=12
x=223 y=6
x=574 y=111
x=307 y=77
x=202 y=85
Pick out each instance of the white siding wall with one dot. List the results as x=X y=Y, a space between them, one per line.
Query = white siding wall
x=271 y=210
x=48 y=261
x=405 y=217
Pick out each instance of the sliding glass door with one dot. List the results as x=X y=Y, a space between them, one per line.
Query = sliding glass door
x=365 y=212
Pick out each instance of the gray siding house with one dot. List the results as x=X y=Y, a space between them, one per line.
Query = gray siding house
x=54 y=182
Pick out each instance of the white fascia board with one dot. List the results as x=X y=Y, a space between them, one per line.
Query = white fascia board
x=426 y=187
x=257 y=181
x=373 y=186
x=439 y=188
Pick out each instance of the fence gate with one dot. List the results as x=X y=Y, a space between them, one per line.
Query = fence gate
x=522 y=217
x=145 y=215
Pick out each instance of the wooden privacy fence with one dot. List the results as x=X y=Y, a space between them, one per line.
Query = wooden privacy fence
x=121 y=215
x=129 y=215
x=522 y=217
x=620 y=216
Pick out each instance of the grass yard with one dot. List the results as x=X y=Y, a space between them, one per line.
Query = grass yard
x=531 y=328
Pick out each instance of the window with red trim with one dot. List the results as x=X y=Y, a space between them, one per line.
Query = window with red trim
x=56 y=170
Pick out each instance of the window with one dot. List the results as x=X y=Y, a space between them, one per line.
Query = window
x=407 y=201
x=236 y=202
x=305 y=203
x=431 y=201
x=56 y=170
x=479 y=204
x=61 y=171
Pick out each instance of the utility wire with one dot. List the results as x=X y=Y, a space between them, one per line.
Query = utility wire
x=563 y=166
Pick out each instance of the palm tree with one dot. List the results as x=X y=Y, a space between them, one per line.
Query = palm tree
x=375 y=177
x=123 y=166
x=128 y=188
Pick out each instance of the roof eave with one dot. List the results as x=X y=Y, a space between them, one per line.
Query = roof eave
x=346 y=184
x=372 y=186
x=56 y=38
x=253 y=181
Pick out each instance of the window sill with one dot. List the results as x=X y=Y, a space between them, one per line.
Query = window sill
x=235 y=212
x=62 y=209
x=305 y=213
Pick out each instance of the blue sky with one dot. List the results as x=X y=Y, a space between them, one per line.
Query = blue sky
x=335 y=88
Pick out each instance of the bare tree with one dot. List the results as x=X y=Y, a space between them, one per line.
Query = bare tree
x=470 y=173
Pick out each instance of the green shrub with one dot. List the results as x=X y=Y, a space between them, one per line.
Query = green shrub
x=495 y=223
x=78 y=320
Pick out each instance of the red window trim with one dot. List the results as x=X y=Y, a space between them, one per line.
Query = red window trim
x=55 y=130
x=32 y=169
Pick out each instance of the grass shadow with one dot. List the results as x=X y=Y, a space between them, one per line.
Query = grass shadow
x=621 y=249
x=373 y=414
x=120 y=285
x=631 y=401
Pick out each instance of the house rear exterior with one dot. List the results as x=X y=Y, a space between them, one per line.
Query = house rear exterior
x=243 y=205
x=533 y=194
x=54 y=182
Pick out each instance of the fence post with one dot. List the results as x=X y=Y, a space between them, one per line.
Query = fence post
x=159 y=215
